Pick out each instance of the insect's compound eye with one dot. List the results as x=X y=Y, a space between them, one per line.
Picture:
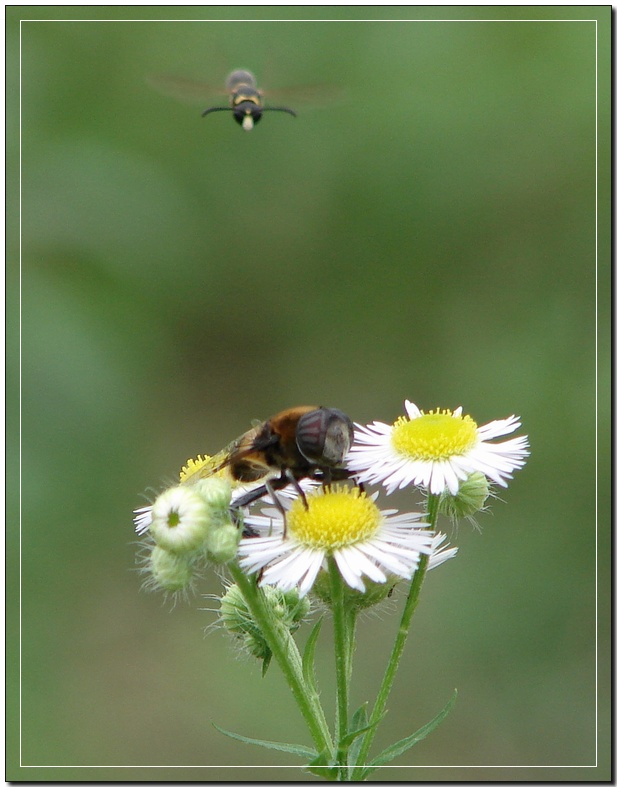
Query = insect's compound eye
x=324 y=436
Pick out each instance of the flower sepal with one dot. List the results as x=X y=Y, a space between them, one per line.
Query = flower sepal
x=374 y=592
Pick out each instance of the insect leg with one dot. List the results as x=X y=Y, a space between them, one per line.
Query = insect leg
x=249 y=497
x=291 y=479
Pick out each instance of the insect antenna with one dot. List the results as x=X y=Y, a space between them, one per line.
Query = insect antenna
x=216 y=109
x=280 y=109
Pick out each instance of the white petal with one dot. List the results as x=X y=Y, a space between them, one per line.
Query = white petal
x=437 y=481
x=385 y=557
x=363 y=564
x=347 y=571
x=450 y=476
x=499 y=428
x=440 y=557
x=412 y=410
x=143 y=519
x=309 y=577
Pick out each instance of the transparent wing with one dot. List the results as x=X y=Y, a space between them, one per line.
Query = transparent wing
x=194 y=91
x=238 y=448
x=196 y=470
x=316 y=95
x=190 y=91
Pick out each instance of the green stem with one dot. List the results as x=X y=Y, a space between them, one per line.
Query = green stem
x=342 y=649
x=286 y=653
x=351 y=620
x=432 y=507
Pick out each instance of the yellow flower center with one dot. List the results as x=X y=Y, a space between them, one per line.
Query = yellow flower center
x=435 y=435
x=193 y=466
x=334 y=518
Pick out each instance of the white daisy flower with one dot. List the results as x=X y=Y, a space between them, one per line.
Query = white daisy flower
x=436 y=450
x=342 y=522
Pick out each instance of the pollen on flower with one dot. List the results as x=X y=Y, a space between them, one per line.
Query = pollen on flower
x=438 y=434
x=334 y=519
x=193 y=466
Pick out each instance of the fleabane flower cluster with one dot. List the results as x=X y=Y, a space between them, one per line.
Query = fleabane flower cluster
x=293 y=544
x=188 y=525
x=193 y=523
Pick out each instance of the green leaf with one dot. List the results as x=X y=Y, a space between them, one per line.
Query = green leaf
x=308 y=660
x=323 y=766
x=406 y=743
x=266 y=663
x=358 y=722
x=352 y=736
x=289 y=748
x=359 y=718
x=358 y=727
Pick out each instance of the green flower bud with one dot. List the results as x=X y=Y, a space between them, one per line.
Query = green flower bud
x=216 y=493
x=222 y=542
x=287 y=607
x=470 y=498
x=169 y=571
x=180 y=520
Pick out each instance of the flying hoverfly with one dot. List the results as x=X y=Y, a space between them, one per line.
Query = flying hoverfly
x=246 y=101
x=297 y=443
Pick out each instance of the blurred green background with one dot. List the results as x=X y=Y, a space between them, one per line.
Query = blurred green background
x=428 y=235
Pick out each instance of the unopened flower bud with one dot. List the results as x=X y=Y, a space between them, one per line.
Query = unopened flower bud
x=222 y=543
x=216 y=493
x=170 y=571
x=180 y=520
x=287 y=607
x=470 y=498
